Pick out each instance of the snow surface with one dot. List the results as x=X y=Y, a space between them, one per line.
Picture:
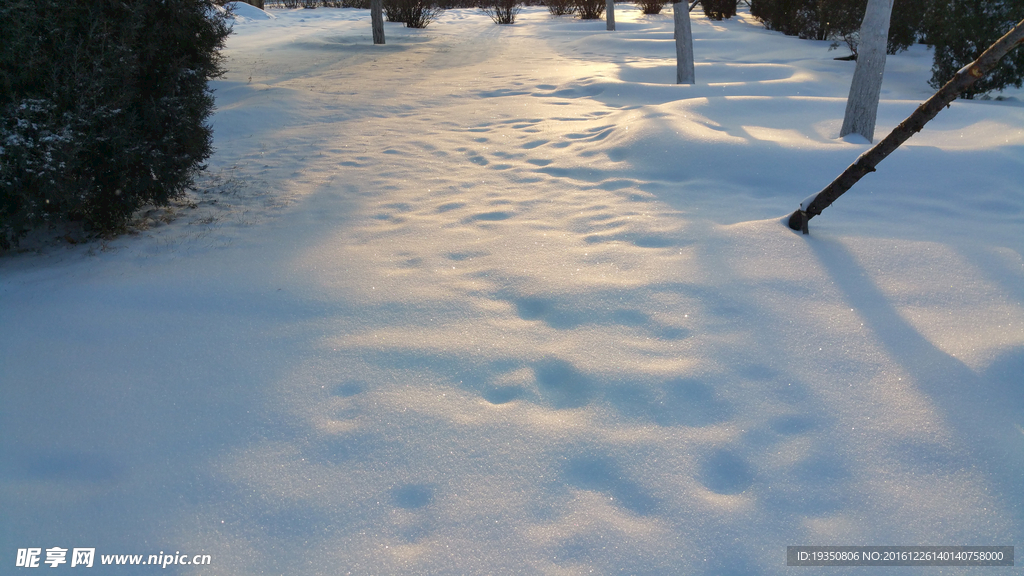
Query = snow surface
x=245 y=12
x=495 y=300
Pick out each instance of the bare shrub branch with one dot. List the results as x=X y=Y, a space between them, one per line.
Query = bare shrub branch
x=502 y=11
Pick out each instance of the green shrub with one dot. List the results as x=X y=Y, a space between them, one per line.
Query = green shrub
x=960 y=30
x=719 y=9
x=907 y=25
x=839 y=20
x=103 y=105
x=786 y=16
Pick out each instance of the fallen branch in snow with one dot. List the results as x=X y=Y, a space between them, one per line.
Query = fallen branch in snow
x=968 y=75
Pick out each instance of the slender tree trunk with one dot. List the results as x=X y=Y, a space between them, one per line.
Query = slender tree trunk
x=377 y=20
x=609 y=13
x=684 y=43
x=963 y=79
x=862 y=105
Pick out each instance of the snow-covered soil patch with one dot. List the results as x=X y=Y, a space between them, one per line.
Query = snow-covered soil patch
x=492 y=300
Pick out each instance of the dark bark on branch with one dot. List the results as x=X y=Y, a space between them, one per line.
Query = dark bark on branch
x=912 y=125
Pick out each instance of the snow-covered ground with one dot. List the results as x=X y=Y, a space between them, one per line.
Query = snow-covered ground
x=495 y=300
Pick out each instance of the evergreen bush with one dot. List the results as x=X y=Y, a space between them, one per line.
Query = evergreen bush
x=839 y=20
x=103 y=105
x=719 y=9
x=960 y=30
x=907 y=25
x=786 y=16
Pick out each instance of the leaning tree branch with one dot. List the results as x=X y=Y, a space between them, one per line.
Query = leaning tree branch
x=968 y=75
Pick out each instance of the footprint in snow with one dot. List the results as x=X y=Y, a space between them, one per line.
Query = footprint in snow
x=412 y=496
x=601 y=474
x=348 y=389
x=724 y=472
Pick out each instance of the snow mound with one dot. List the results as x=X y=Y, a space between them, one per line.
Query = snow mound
x=243 y=12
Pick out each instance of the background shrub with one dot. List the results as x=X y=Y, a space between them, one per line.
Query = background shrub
x=561 y=7
x=907 y=25
x=719 y=9
x=839 y=20
x=414 y=13
x=393 y=11
x=453 y=4
x=589 y=9
x=801 y=18
x=503 y=11
x=651 y=6
x=960 y=30
x=103 y=105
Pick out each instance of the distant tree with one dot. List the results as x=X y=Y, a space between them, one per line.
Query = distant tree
x=684 y=43
x=960 y=29
x=862 y=105
x=377 y=20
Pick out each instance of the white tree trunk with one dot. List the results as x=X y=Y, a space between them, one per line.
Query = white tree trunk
x=377 y=20
x=862 y=105
x=684 y=43
x=609 y=13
